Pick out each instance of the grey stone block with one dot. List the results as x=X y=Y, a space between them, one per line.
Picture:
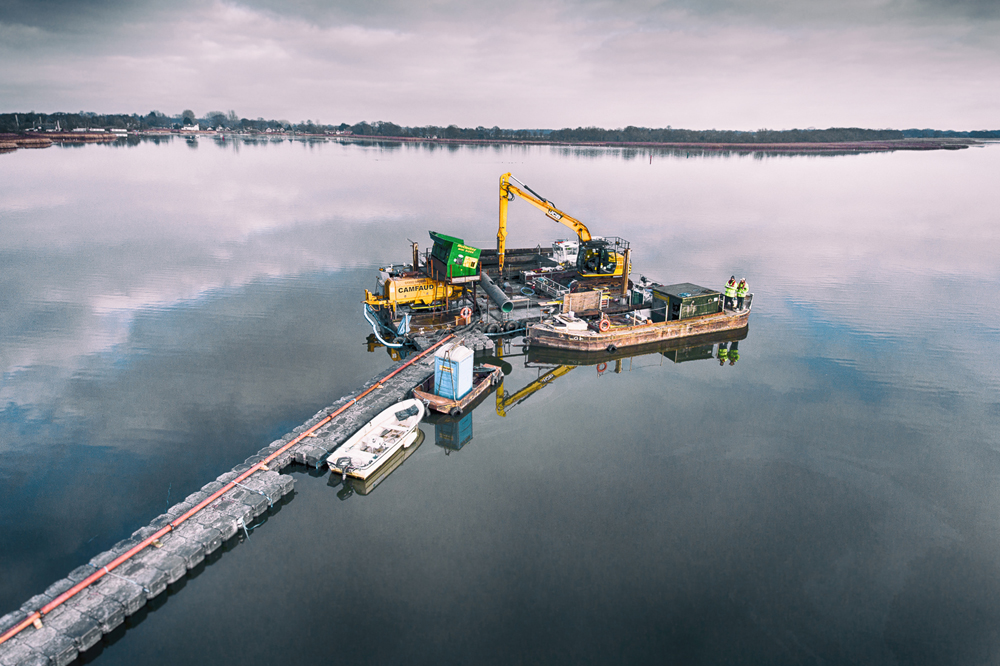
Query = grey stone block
x=190 y=552
x=305 y=452
x=227 y=477
x=281 y=483
x=208 y=537
x=195 y=498
x=152 y=580
x=239 y=469
x=35 y=602
x=102 y=559
x=11 y=619
x=105 y=611
x=271 y=485
x=129 y=595
x=60 y=649
x=178 y=510
x=125 y=545
x=16 y=653
x=224 y=523
x=236 y=510
x=79 y=628
x=144 y=533
x=171 y=565
x=80 y=573
x=212 y=487
x=253 y=460
x=161 y=520
x=257 y=503
x=58 y=587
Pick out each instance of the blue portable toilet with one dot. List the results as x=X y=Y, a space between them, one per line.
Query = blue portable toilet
x=454 y=435
x=453 y=371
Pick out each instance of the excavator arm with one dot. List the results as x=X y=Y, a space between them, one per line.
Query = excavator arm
x=507 y=193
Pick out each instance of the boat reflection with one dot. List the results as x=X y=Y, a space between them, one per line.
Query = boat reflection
x=353 y=486
x=452 y=433
x=551 y=364
x=702 y=347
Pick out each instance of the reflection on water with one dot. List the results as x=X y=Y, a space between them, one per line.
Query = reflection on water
x=828 y=495
x=350 y=486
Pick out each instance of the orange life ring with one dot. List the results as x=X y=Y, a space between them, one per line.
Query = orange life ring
x=601 y=367
x=605 y=325
x=466 y=312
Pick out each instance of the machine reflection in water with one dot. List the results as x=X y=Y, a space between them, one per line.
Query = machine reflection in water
x=453 y=432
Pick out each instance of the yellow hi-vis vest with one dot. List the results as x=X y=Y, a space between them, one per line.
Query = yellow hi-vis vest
x=742 y=289
x=730 y=289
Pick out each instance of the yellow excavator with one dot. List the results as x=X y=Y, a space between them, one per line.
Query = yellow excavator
x=597 y=257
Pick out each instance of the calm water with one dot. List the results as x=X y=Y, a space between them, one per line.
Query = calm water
x=166 y=310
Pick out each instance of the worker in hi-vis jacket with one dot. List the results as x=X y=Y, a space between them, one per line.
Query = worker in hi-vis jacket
x=741 y=293
x=730 y=292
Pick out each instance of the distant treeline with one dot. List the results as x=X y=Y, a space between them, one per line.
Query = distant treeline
x=946 y=134
x=20 y=122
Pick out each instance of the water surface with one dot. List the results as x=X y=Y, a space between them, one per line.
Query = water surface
x=168 y=309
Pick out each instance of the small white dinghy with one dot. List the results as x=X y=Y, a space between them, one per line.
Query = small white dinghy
x=371 y=446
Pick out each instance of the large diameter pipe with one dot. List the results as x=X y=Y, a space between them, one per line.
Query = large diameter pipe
x=496 y=294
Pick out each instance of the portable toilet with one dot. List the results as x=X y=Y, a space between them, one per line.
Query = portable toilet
x=453 y=435
x=453 y=371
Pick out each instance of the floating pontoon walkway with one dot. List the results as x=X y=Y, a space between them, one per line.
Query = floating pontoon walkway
x=73 y=613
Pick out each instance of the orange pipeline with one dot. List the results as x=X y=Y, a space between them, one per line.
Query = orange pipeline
x=36 y=616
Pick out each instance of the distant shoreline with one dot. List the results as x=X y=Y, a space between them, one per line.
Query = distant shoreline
x=799 y=147
x=10 y=142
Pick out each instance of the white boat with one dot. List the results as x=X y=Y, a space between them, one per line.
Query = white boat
x=373 y=445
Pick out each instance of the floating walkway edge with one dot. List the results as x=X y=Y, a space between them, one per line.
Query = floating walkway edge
x=72 y=614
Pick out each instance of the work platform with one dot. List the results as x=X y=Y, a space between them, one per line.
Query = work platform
x=77 y=623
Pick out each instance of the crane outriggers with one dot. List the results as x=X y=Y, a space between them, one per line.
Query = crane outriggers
x=598 y=257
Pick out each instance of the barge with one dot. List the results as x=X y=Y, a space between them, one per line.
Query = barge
x=676 y=311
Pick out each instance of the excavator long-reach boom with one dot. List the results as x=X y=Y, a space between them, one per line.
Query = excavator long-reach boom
x=507 y=193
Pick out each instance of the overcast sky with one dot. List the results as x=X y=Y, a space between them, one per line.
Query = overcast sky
x=732 y=64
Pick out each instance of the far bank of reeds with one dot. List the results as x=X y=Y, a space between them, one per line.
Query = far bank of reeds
x=11 y=142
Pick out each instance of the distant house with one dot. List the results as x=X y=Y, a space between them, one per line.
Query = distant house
x=191 y=128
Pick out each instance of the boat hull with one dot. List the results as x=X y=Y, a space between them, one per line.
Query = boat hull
x=374 y=444
x=552 y=356
x=545 y=335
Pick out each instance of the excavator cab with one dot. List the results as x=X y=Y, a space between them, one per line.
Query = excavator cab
x=601 y=256
x=595 y=258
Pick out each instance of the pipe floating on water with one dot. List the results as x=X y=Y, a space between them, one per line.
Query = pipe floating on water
x=35 y=617
x=496 y=294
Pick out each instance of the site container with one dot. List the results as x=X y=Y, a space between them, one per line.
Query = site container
x=684 y=300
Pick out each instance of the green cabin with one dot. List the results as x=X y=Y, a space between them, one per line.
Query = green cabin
x=684 y=300
x=459 y=259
